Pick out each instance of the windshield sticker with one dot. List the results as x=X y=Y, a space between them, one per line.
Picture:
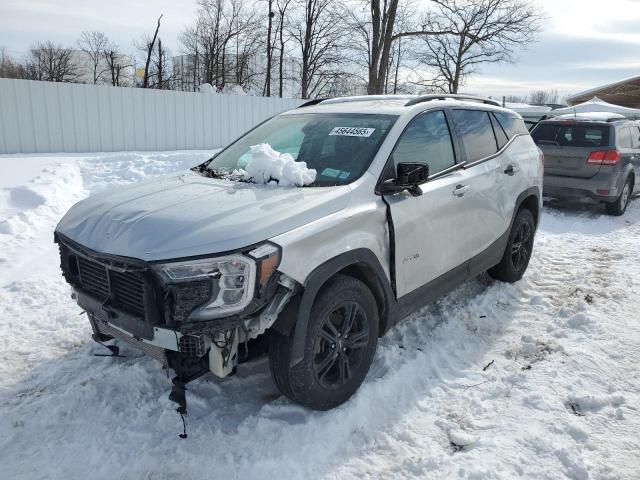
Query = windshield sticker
x=344 y=175
x=330 y=172
x=352 y=131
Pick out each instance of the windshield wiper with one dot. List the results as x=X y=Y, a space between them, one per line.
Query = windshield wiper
x=205 y=171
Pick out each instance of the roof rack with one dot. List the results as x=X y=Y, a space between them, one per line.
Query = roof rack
x=355 y=98
x=412 y=99
x=315 y=101
x=447 y=96
x=367 y=98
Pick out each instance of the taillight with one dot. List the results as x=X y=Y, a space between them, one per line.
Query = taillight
x=600 y=157
x=596 y=158
x=541 y=156
x=611 y=158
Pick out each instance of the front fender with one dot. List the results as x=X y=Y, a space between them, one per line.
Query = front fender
x=362 y=260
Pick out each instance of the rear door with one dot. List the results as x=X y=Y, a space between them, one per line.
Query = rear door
x=489 y=195
x=567 y=146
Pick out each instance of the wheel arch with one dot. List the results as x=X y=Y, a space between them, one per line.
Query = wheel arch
x=531 y=200
x=361 y=264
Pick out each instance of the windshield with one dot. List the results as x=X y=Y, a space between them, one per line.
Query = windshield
x=339 y=147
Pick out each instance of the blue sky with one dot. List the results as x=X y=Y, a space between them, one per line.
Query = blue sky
x=584 y=43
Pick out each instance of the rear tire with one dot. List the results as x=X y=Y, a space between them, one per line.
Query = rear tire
x=618 y=207
x=341 y=340
x=519 y=248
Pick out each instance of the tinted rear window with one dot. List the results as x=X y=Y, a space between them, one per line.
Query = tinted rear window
x=571 y=135
x=475 y=129
x=512 y=124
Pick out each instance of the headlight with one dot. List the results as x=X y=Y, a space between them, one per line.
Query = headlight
x=233 y=279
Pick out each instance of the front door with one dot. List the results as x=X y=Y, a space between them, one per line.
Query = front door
x=428 y=228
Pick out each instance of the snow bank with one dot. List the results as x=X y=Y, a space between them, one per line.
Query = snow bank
x=268 y=166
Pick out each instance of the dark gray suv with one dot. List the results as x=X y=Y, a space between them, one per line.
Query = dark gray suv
x=590 y=156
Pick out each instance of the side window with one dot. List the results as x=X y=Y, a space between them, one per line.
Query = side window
x=635 y=137
x=501 y=136
x=624 y=138
x=475 y=129
x=512 y=124
x=426 y=140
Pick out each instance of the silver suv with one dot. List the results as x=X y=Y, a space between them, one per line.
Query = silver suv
x=207 y=269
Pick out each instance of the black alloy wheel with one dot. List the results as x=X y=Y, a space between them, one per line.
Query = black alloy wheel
x=517 y=254
x=522 y=246
x=341 y=345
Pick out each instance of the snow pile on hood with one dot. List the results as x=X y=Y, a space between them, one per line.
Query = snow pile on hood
x=269 y=166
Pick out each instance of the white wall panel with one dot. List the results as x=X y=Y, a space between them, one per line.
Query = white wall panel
x=41 y=117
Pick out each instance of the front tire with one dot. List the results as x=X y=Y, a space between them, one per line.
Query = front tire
x=341 y=340
x=519 y=248
x=618 y=207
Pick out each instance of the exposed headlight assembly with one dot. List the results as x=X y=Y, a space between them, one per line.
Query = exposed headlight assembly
x=233 y=278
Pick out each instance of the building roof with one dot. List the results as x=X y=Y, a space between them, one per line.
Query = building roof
x=624 y=92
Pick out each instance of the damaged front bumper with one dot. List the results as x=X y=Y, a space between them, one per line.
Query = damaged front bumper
x=188 y=354
x=134 y=302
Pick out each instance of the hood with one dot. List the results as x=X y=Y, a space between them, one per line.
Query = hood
x=186 y=214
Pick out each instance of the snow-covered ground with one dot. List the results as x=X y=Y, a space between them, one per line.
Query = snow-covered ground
x=540 y=378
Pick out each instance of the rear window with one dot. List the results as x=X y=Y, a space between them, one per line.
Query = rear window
x=512 y=124
x=475 y=129
x=571 y=135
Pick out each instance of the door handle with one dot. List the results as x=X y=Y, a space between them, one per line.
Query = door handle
x=461 y=190
x=511 y=169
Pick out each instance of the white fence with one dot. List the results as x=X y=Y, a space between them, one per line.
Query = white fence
x=63 y=117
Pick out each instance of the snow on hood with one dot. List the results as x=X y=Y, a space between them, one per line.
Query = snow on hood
x=186 y=214
x=270 y=166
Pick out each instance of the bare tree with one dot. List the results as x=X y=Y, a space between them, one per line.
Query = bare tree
x=318 y=35
x=267 y=82
x=162 y=74
x=10 y=68
x=53 y=63
x=116 y=64
x=221 y=45
x=482 y=31
x=378 y=29
x=147 y=46
x=283 y=5
x=542 y=97
x=515 y=99
x=93 y=44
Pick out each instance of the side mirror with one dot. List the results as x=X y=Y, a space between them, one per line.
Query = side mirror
x=409 y=176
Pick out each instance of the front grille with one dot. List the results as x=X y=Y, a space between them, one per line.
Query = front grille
x=124 y=290
x=128 y=291
x=93 y=277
